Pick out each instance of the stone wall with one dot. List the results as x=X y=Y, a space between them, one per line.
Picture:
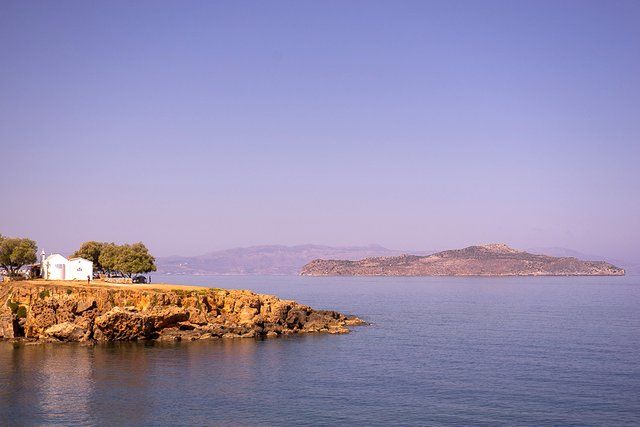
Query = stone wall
x=121 y=280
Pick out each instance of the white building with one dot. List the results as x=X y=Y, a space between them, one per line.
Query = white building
x=57 y=267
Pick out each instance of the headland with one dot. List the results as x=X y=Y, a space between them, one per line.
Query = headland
x=40 y=310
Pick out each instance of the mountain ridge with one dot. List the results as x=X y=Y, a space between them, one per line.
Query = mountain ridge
x=267 y=259
x=495 y=259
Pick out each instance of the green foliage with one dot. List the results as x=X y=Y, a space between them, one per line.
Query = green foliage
x=16 y=252
x=21 y=313
x=91 y=251
x=69 y=291
x=135 y=259
x=19 y=310
x=108 y=257
x=13 y=306
x=44 y=294
x=127 y=259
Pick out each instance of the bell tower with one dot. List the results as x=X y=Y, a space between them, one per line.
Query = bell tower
x=42 y=267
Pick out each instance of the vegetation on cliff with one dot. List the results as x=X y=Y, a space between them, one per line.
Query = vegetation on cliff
x=72 y=312
x=485 y=260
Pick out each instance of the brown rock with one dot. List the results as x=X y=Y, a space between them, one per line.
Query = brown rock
x=53 y=312
x=65 y=311
x=296 y=318
x=84 y=305
x=8 y=324
x=163 y=317
x=67 y=331
x=42 y=315
x=230 y=335
x=119 y=324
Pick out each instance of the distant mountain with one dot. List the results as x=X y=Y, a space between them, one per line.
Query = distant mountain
x=484 y=260
x=266 y=260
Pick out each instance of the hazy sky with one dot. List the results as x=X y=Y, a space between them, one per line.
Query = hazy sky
x=202 y=125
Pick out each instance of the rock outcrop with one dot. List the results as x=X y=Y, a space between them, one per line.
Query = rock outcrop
x=57 y=312
x=485 y=260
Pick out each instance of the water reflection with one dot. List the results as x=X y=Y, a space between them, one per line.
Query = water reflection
x=52 y=384
x=127 y=383
x=464 y=353
x=65 y=384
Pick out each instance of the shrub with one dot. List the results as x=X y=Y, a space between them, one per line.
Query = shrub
x=44 y=294
x=13 y=306
x=21 y=313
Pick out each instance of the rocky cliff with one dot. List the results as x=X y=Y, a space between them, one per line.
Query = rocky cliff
x=485 y=260
x=72 y=312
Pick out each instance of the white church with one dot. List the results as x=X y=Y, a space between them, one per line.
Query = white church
x=57 y=267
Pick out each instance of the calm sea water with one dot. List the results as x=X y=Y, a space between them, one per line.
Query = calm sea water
x=440 y=351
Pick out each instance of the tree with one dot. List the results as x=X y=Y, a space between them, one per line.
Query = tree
x=108 y=257
x=16 y=252
x=91 y=251
x=126 y=259
x=135 y=259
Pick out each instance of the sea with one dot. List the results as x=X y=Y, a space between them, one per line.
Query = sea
x=528 y=351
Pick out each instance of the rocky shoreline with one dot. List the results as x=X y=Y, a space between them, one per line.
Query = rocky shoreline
x=55 y=312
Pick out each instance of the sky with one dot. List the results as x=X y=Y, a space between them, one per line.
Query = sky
x=196 y=126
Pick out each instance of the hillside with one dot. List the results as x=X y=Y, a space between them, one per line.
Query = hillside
x=266 y=260
x=484 y=260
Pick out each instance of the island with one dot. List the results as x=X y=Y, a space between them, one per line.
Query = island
x=41 y=310
x=482 y=260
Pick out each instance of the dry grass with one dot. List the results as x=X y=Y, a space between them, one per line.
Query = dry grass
x=101 y=283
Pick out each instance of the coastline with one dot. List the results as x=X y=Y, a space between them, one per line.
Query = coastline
x=60 y=311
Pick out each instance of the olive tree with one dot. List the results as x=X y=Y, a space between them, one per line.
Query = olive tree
x=135 y=259
x=16 y=252
x=127 y=259
x=108 y=257
x=91 y=251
